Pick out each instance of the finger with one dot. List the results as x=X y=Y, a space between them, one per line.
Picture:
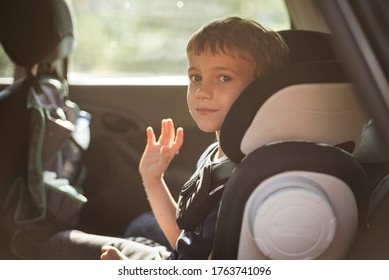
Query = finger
x=171 y=151
x=167 y=133
x=111 y=253
x=150 y=136
x=163 y=131
x=179 y=140
x=170 y=131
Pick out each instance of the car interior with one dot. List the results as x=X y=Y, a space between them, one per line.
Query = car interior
x=309 y=140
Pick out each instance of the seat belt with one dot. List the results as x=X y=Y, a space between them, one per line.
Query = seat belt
x=202 y=193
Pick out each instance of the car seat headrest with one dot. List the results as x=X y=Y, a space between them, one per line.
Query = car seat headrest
x=32 y=32
x=308 y=46
x=303 y=101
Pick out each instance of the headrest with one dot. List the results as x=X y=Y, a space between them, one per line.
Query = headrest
x=308 y=46
x=303 y=101
x=36 y=31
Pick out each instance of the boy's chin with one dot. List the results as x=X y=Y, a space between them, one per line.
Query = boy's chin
x=208 y=126
x=207 y=130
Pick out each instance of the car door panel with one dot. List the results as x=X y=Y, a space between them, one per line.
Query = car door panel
x=120 y=115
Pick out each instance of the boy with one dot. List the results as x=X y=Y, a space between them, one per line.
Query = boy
x=224 y=57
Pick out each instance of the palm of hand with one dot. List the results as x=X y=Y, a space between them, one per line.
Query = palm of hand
x=158 y=154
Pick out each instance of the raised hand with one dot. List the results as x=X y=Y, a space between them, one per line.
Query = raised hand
x=158 y=154
x=155 y=160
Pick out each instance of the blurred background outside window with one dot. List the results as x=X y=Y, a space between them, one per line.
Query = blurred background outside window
x=147 y=38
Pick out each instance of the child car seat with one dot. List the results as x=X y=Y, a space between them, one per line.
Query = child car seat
x=41 y=165
x=297 y=191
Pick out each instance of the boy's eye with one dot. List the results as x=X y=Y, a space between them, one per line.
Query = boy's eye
x=195 y=78
x=224 y=78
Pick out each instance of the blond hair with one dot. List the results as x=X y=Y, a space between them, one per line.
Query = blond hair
x=244 y=37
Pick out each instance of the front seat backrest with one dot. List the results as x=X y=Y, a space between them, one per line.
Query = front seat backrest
x=39 y=195
x=33 y=32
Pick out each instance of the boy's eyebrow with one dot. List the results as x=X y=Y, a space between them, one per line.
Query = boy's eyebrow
x=223 y=68
x=218 y=68
x=192 y=68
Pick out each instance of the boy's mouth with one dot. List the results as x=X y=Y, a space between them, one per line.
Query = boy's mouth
x=205 y=111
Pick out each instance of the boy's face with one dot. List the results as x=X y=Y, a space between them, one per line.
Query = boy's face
x=215 y=82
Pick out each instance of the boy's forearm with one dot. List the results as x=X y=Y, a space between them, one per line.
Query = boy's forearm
x=164 y=207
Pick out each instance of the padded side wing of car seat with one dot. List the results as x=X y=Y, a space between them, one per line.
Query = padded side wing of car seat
x=275 y=159
x=258 y=93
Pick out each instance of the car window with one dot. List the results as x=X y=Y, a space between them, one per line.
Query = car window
x=147 y=38
x=139 y=39
x=6 y=66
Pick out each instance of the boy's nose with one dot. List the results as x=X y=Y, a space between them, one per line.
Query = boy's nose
x=204 y=92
